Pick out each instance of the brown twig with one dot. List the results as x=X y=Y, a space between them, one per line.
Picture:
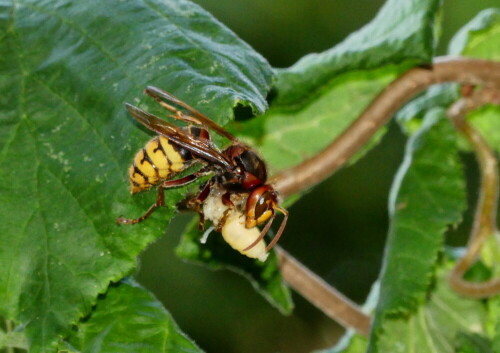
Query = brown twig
x=485 y=217
x=330 y=301
x=312 y=171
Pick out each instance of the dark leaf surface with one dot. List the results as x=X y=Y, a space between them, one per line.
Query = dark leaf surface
x=128 y=319
x=66 y=69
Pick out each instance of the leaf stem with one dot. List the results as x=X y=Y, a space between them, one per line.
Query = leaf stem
x=485 y=217
x=326 y=298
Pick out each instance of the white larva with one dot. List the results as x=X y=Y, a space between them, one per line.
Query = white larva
x=239 y=237
x=234 y=231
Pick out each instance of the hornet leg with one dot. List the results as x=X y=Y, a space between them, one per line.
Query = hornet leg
x=160 y=199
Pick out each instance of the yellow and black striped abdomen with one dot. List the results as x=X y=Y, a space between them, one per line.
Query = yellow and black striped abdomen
x=159 y=160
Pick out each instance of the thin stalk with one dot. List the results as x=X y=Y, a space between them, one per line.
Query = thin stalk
x=485 y=222
x=326 y=298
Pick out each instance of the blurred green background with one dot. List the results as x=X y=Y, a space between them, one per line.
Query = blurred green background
x=338 y=229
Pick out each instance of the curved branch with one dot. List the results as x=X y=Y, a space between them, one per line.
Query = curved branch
x=382 y=108
x=312 y=171
x=319 y=293
x=486 y=210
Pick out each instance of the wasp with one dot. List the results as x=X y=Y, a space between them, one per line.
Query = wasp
x=239 y=176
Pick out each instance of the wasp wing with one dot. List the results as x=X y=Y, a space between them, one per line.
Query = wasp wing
x=200 y=148
x=195 y=116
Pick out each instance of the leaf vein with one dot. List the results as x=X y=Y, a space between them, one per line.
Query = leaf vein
x=427 y=338
x=448 y=311
x=415 y=229
x=435 y=328
x=228 y=58
x=107 y=54
x=85 y=119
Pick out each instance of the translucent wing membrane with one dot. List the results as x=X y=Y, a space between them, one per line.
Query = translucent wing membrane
x=193 y=116
x=201 y=148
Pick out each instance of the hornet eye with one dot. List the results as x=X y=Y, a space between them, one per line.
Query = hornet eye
x=260 y=206
x=263 y=204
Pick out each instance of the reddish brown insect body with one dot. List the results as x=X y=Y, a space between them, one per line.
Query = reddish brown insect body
x=238 y=172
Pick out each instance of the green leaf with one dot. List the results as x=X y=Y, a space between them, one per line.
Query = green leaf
x=472 y=343
x=427 y=196
x=12 y=339
x=489 y=257
x=492 y=322
x=286 y=137
x=434 y=327
x=480 y=38
x=410 y=117
x=319 y=96
x=401 y=31
x=66 y=141
x=487 y=121
x=130 y=319
x=216 y=254
x=349 y=343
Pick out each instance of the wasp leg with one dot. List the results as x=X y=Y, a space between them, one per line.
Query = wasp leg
x=195 y=203
x=160 y=201
x=179 y=182
x=223 y=220
x=226 y=199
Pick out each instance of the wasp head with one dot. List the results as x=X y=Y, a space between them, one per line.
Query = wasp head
x=260 y=205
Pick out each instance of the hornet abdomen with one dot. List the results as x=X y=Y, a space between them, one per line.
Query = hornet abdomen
x=160 y=160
